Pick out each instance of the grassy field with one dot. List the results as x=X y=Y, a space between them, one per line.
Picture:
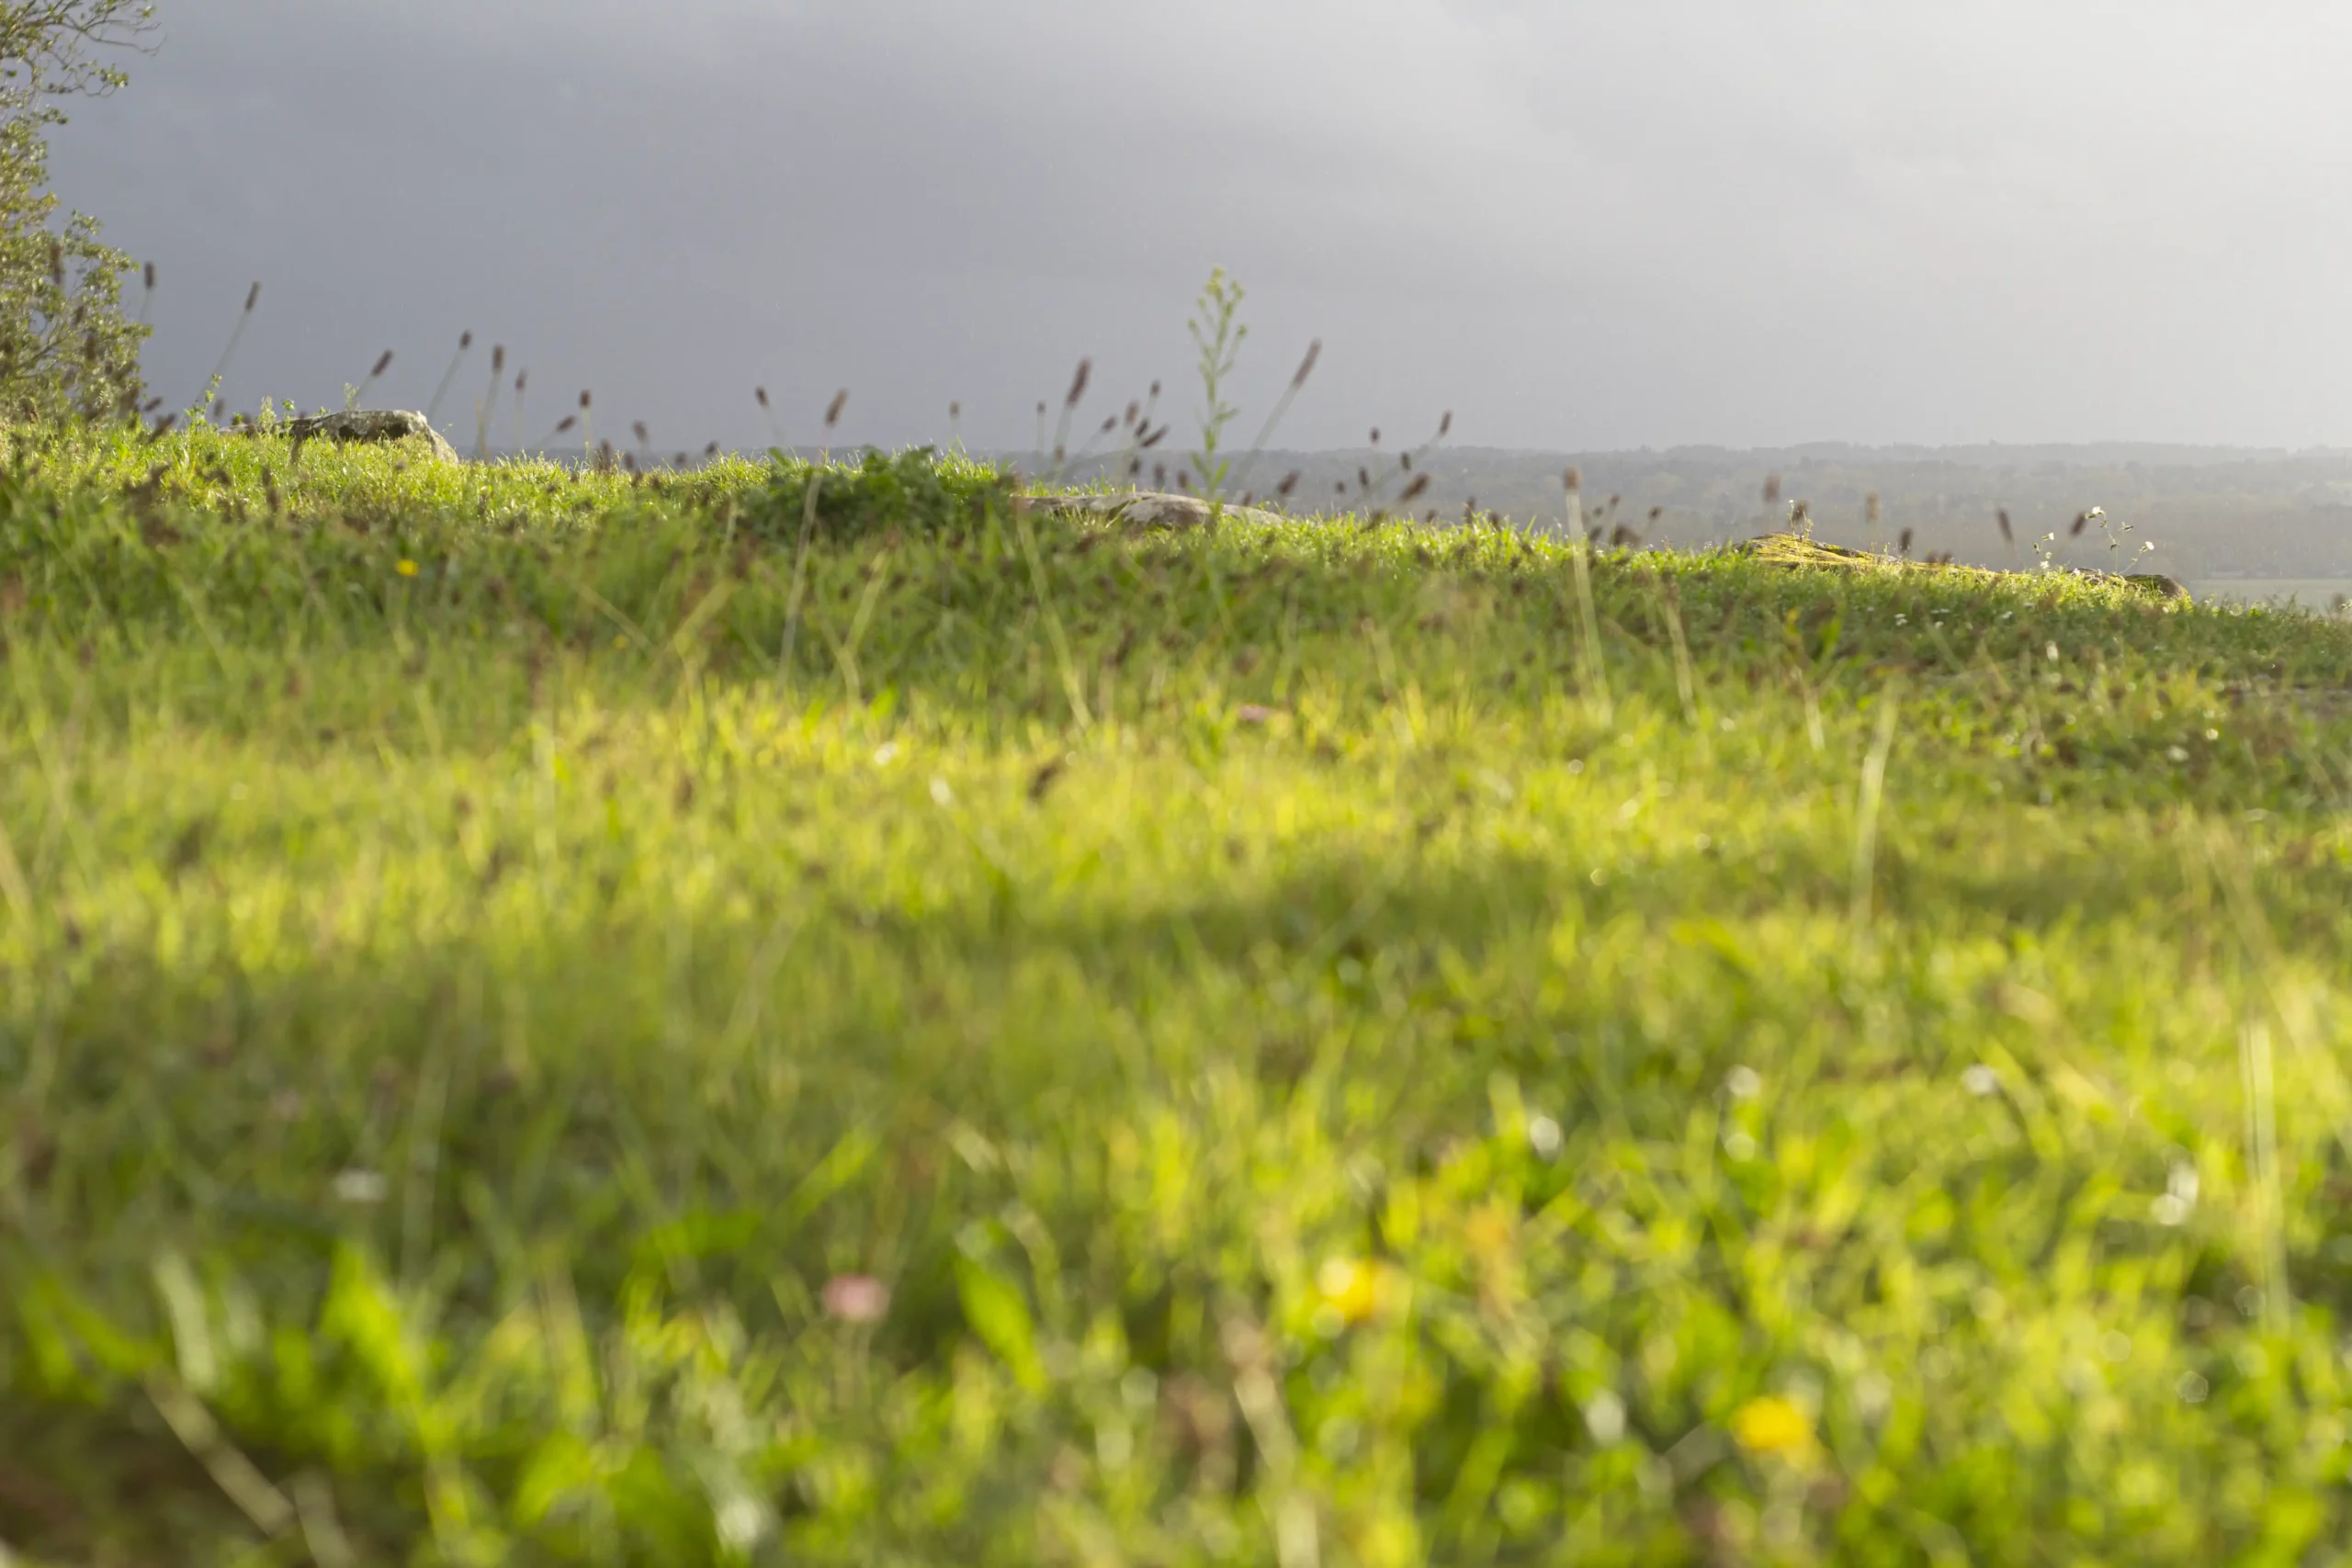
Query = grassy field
x=538 y=1024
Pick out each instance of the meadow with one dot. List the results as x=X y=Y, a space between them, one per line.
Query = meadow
x=799 y=1012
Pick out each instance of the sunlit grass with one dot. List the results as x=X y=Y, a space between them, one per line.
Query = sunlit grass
x=1163 y=1049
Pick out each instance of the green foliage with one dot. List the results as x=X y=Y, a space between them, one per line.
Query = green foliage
x=67 y=351
x=53 y=47
x=476 y=1026
x=913 y=490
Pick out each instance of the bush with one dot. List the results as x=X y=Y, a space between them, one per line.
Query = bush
x=66 y=350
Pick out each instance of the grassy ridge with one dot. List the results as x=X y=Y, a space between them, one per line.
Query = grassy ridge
x=501 y=971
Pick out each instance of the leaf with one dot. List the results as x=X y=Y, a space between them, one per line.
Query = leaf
x=995 y=1310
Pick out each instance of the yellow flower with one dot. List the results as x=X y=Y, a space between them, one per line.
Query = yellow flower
x=1351 y=1287
x=1490 y=1230
x=1771 y=1425
x=407 y=567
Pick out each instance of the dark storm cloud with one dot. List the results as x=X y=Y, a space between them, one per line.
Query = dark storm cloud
x=1579 y=224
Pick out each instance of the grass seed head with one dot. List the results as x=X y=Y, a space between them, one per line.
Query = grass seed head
x=1298 y=378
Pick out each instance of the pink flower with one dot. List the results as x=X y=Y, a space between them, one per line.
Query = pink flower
x=1253 y=712
x=856 y=1298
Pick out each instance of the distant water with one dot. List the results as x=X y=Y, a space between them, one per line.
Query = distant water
x=2318 y=593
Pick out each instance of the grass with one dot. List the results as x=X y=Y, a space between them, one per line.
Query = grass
x=1222 y=1048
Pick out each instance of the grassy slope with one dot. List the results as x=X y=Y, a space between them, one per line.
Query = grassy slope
x=1320 y=1086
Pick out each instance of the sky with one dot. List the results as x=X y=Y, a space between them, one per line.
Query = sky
x=1575 y=224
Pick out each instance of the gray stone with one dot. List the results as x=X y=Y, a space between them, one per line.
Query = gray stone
x=2157 y=583
x=1796 y=550
x=1142 y=510
x=372 y=426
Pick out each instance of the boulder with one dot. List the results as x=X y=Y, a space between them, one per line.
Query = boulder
x=372 y=426
x=2157 y=583
x=1141 y=510
x=1794 y=549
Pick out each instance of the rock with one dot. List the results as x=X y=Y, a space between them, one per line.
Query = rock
x=1792 y=549
x=1141 y=510
x=371 y=425
x=2157 y=583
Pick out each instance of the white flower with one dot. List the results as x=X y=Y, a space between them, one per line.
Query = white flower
x=361 y=1186
x=1544 y=1136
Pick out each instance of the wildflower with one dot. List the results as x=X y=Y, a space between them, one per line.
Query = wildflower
x=406 y=568
x=1544 y=1136
x=356 y=1186
x=1771 y=1425
x=1254 y=713
x=1490 y=1230
x=856 y=1298
x=1353 y=1288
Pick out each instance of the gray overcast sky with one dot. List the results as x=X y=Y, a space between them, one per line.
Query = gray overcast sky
x=1578 y=224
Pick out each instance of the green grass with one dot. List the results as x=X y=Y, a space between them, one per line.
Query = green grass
x=1324 y=1076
